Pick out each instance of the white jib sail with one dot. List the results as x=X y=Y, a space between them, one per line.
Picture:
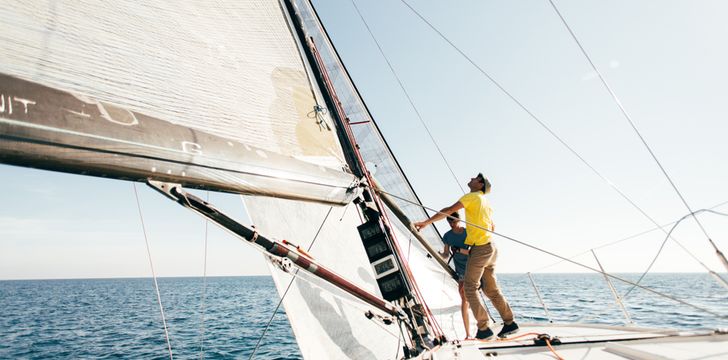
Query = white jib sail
x=327 y=323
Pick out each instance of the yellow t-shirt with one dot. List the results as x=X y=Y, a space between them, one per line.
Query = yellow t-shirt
x=477 y=212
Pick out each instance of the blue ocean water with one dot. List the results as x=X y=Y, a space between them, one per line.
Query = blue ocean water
x=119 y=318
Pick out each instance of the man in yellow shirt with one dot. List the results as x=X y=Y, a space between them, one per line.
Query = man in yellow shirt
x=481 y=261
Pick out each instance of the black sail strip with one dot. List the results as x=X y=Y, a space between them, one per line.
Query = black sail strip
x=46 y=128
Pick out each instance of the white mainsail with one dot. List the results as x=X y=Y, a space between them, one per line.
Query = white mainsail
x=230 y=68
x=233 y=74
x=208 y=95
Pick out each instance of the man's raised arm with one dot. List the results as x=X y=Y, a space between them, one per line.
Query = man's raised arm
x=440 y=215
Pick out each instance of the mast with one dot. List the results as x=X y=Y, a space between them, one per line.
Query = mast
x=373 y=123
x=174 y=123
x=422 y=324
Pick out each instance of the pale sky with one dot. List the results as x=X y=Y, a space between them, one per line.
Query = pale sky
x=665 y=60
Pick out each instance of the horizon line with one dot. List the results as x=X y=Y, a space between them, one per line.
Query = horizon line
x=268 y=275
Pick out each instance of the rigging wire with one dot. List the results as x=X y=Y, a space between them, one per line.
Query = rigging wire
x=414 y=107
x=663 y=245
x=204 y=289
x=572 y=261
x=154 y=276
x=550 y=131
x=365 y=113
x=342 y=113
x=399 y=341
x=407 y=95
x=275 y=311
x=639 y=134
x=632 y=237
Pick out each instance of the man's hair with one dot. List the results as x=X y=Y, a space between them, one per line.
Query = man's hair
x=454 y=217
x=486 y=183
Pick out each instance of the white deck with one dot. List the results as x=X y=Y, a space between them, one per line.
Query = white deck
x=581 y=341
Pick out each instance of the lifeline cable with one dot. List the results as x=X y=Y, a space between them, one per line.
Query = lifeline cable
x=665 y=241
x=574 y=262
x=154 y=276
x=545 y=126
x=634 y=127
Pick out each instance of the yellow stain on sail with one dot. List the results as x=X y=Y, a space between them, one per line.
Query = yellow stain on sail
x=304 y=136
